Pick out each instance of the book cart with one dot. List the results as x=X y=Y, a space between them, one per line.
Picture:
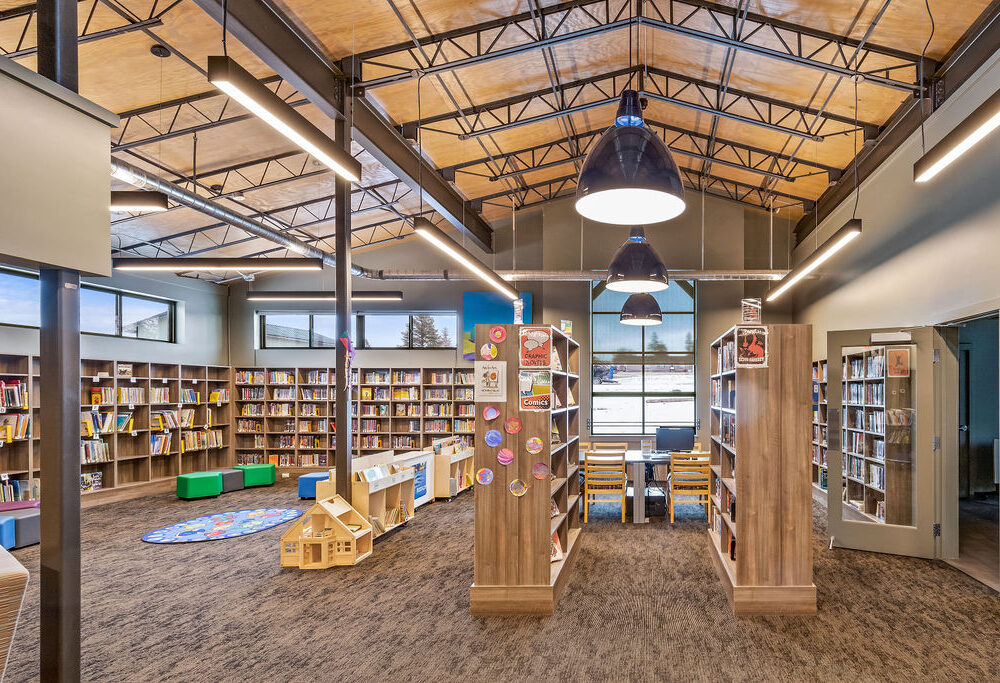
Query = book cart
x=527 y=514
x=760 y=526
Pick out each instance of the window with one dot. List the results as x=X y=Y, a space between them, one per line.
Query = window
x=642 y=377
x=298 y=331
x=102 y=311
x=407 y=331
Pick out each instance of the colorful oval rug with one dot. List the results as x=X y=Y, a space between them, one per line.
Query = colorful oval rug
x=223 y=525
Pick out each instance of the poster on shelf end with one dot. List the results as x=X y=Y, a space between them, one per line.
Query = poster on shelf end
x=751 y=346
x=490 y=381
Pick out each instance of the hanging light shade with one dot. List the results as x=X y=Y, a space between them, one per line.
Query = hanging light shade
x=629 y=177
x=636 y=267
x=641 y=309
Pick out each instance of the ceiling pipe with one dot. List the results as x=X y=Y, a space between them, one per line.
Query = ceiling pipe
x=579 y=275
x=137 y=177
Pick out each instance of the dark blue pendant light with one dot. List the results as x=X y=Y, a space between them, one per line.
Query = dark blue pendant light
x=641 y=309
x=629 y=177
x=636 y=267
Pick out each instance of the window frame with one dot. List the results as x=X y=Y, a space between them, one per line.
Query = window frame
x=645 y=359
x=118 y=294
x=310 y=345
x=360 y=329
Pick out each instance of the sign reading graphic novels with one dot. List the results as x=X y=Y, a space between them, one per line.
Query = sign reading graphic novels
x=535 y=347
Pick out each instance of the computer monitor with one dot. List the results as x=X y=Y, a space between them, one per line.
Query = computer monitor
x=674 y=438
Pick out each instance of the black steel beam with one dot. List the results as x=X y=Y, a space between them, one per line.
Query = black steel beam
x=96 y=35
x=271 y=35
x=706 y=21
x=691 y=93
x=343 y=352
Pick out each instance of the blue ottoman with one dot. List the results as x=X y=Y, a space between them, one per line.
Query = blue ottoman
x=7 y=532
x=307 y=483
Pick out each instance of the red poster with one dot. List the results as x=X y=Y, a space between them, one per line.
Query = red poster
x=535 y=347
x=751 y=346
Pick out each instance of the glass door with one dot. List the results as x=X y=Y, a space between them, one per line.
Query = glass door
x=884 y=439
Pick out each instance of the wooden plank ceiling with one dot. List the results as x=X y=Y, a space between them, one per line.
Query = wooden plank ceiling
x=743 y=124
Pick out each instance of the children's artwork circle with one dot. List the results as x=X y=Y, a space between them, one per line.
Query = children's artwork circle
x=505 y=456
x=518 y=488
x=512 y=425
x=493 y=438
x=488 y=351
x=484 y=476
x=540 y=470
x=498 y=334
x=534 y=445
x=491 y=413
x=222 y=525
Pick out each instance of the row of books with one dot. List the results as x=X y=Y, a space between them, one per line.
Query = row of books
x=376 y=377
x=283 y=441
x=190 y=396
x=467 y=410
x=727 y=429
x=875 y=393
x=374 y=410
x=853 y=393
x=315 y=394
x=405 y=442
x=285 y=394
x=249 y=376
x=819 y=372
x=465 y=425
x=94 y=450
x=854 y=442
x=311 y=410
x=196 y=440
x=372 y=426
x=163 y=420
x=313 y=426
x=257 y=442
x=405 y=394
x=251 y=393
x=280 y=377
x=318 y=377
x=91 y=481
x=312 y=441
x=438 y=410
x=15 y=426
x=443 y=377
x=406 y=410
x=105 y=396
x=854 y=467
x=249 y=427
x=876 y=476
x=279 y=409
x=159 y=444
x=372 y=442
x=437 y=426
x=156 y=395
x=248 y=409
x=875 y=365
x=465 y=394
x=854 y=368
x=725 y=358
x=437 y=394
x=464 y=377
x=373 y=394
x=13 y=394
x=406 y=377
x=12 y=490
x=876 y=421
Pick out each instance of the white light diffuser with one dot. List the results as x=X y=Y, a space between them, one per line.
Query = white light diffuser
x=232 y=79
x=839 y=240
x=980 y=123
x=323 y=296
x=630 y=206
x=187 y=265
x=138 y=201
x=439 y=239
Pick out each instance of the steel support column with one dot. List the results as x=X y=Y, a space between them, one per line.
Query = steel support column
x=59 y=358
x=59 y=655
x=342 y=245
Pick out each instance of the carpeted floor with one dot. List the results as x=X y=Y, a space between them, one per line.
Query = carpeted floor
x=644 y=604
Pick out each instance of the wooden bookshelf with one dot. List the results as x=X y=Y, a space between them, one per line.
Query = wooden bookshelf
x=514 y=572
x=124 y=409
x=383 y=498
x=876 y=438
x=818 y=448
x=760 y=527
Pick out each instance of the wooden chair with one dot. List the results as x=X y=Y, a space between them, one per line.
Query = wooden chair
x=689 y=478
x=604 y=478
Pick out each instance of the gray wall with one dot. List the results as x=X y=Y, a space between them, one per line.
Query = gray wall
x=202 y=334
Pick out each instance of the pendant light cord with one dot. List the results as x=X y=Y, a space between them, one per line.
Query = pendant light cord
x=923 y=53
x=225 y=21
x=857 y=191
x=420 y=148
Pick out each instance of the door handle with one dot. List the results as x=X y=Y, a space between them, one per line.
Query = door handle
x=963 y=428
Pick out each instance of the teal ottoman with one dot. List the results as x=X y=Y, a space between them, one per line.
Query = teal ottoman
x=199 y=485
x=257 y=475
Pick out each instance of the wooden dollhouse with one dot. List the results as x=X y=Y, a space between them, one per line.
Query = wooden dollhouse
x=331 y=533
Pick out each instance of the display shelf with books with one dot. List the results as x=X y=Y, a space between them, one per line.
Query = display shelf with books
x=763 y=555
x=381 y=492
x=454 y=466
x=819 y=444
x=523 y=553
x=877 y=436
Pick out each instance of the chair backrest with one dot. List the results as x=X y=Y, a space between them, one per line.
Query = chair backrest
x=689 y=470
x=609 y=446
x=608 y=460
x=584 y=446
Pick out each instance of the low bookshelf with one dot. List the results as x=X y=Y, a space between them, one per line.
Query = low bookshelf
x=526 y=545
x=760 y=526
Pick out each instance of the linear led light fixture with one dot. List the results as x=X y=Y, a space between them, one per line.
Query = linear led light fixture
x=976 y=126
x=839 y=240
x=323 y=296
x=137 y=200
x=229 y=77
x=439 y=239
x=186 y=265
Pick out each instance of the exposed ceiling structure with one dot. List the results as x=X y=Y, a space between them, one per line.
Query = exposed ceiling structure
x=759 y=100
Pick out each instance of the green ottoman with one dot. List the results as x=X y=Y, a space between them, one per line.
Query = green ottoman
x=257 y=475
x=199 y=485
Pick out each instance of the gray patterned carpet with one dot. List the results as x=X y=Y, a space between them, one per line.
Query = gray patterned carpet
x=644 y=604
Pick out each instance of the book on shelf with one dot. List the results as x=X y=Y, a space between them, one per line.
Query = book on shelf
x=281 y=377
x=406 y=377
x=283 y=394
x=159 y=395
x=94 y=450
x=553 y=508
x=555 y=363
x=376 y=377
x=556 y=551
x=105 y=396
x=249 y=376
x=554 y=434
x=159 y=444
x=439 y=377
x=190 y=396
x=124 y=422
x=95 y=423
x=315 y=393
x=251 y=409
x=13 y=490
x=91 y=481
x=124 y=369
x=464 y=377
x=251 y=459
x=317 y=377
x=249 y=426
x=279 y=409
x=185 y=417
x=15 y=426
x=13 y=394
x=251 y=393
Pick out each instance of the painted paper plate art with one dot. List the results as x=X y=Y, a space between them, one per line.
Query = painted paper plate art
x=493 y=438
x=534 y=445
x=484 y=476
x=505 y=456
x=498 y=334
x=518 y=488
x=512 y=425
x=222 y=525
x=488 y=351
x=491 y=413
x=540 y=470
